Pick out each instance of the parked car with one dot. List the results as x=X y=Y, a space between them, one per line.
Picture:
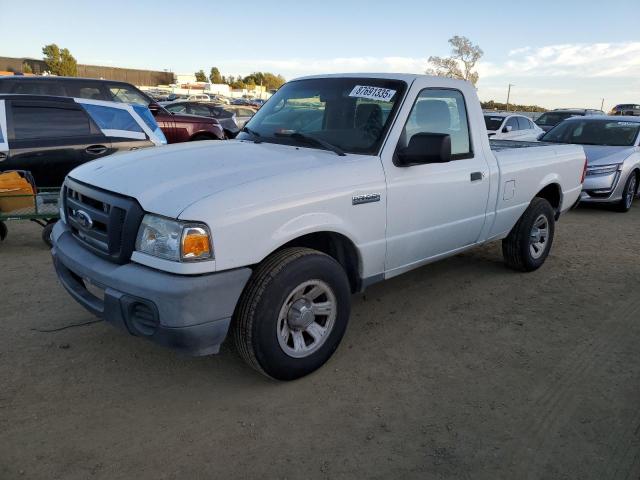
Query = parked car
x=550 y=119
x=200 y=97
x=241 y=101
x=505 y=126
x=612 y=147
x=257 y=102
x=627 y=109
x=50 y=136
x=221 y=99
x=243 y=114
x=176 y=128
x=275 y=231
x=226 y=118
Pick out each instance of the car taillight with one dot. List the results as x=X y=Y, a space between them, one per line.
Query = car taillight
x=584 y=172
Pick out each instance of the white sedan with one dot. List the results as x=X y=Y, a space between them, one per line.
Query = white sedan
x=503 y=126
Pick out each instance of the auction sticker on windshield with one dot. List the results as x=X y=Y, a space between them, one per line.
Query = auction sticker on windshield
x=372 y=93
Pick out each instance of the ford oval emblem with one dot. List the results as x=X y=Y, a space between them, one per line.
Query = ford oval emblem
x=83 y=219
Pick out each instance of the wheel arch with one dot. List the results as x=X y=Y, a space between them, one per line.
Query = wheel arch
x=552 y=193
x=336 y=245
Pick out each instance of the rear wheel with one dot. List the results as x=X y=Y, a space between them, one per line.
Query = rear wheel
x=528 y=245
x=629 y=193
x=293 y=313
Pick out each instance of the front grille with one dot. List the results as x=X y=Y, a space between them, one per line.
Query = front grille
x=104 y=222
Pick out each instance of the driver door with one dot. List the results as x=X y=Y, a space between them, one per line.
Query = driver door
x=435 y=208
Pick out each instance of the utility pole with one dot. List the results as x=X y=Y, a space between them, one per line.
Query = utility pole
x=509 y=94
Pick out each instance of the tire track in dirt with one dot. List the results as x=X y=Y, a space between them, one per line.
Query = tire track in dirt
x=555 y=404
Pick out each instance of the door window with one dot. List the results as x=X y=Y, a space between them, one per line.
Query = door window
x=441 y=111
x=513 y=123
x=38 y=88
x=127 y=94
x=524 y=123
x=199 y=110
x=49 y=122
x=177 y=108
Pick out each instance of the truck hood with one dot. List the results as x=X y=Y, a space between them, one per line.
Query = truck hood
x=166 y=180
x=606 y=155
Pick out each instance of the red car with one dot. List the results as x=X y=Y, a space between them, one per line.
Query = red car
x=177 y=128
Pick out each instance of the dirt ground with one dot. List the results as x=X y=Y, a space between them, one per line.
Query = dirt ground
x=462 y=369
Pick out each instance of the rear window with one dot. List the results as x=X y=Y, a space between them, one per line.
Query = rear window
x=127 y=94
x=525 y=124
x=49 y=122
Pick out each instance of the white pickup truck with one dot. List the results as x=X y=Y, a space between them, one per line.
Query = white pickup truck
x=338 y=182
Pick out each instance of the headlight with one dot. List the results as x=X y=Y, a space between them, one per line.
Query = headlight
x=61 y=204
x=603 y=169
x=174 y=240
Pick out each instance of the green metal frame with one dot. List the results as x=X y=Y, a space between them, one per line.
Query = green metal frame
x=34 y=214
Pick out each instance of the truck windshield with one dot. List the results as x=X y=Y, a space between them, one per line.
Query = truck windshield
x=493 y=123
x=352 y=114
x=594 y=132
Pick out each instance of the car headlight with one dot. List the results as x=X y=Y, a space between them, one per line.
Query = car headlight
x=174 y=240
x=603 y=169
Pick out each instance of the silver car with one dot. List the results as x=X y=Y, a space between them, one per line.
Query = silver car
x=613 y=156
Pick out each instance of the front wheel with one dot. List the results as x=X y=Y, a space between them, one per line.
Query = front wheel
x=293 y=313
x=628 y=193
x=528 y=245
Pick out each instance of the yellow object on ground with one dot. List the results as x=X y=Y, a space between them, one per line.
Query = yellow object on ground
x=16 y=193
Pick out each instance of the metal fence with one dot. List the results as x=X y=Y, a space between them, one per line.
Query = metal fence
x=130 y=75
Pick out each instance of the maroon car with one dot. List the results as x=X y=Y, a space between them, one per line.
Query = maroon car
x=177 y=128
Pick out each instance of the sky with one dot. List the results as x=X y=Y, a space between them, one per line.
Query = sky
x=560 y=53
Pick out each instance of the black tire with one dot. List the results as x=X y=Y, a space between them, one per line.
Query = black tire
x=255 y=327
x=202 y=136
x=4 y=231
x=46 y=233
x=628 y=194
x=516 y=248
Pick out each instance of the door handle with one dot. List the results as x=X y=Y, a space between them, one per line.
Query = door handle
x=476 y=176
x=3 y=156
x=96 y=149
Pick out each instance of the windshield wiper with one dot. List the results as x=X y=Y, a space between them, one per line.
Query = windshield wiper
x=305 y=137
x=254 y=134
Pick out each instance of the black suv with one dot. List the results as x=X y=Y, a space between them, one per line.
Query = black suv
x=176 y=128
x=550 y=119
x=50 y=136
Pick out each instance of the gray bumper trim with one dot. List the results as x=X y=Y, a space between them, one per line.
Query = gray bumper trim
x=191 y=313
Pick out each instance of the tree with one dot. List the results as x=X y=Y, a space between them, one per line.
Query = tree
x=215 y=76
x=26 y=68
x=268 y=80
x=200 y=76
x=59 y=61
x=463 y=59
x=238 y=84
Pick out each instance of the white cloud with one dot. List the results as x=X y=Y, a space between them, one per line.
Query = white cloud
x=553 y=75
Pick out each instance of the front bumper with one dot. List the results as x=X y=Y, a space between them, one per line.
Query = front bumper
x=189 y=313
x=603 y=188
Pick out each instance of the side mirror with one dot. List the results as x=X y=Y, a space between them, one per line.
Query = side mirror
x=426 y=148
x=507 y=129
